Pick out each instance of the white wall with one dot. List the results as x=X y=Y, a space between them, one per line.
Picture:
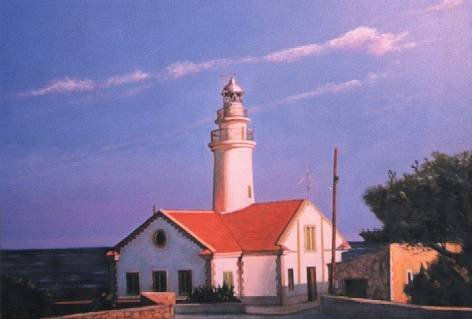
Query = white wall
x=259 y=275
x=222 y=264
x=298 y=259
x=232 y=176
x=141 y=255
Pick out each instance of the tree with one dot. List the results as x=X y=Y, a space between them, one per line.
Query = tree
x=430 y=206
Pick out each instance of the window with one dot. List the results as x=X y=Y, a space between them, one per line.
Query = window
x=159 y=281
x=185 y=282
x=409 y=276
x=160 y=238
x=310 y=238
x=132 y=283
x=291 y=285
x=228 y=279
x=249 y=191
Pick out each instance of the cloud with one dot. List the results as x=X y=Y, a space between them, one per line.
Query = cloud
x=179 y=69
x=292 y=54
x=444 y=5
x=136 y=76
x=329 y=88
x=334 y=88
x=366 y=39
x=361 y=38
x=370 y=40
x=66 y=84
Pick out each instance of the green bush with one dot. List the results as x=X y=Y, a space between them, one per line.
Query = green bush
x=102 y=300
x=442 y=284
x=207 y=294
x=20 y=299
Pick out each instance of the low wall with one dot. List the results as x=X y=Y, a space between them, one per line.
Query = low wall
x=209 y=308
x=162 y=308
x=348 y=308
x=151 y=312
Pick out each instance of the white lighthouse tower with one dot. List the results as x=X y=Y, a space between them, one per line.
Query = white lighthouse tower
x=232 y=145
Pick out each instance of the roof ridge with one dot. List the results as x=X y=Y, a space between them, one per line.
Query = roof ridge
x=188 y=210
x=229 y=231
x=280 y=200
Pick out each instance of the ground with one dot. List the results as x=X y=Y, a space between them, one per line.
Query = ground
x=312 y=314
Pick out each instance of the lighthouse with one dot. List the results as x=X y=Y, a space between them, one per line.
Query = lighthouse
x=232 y=145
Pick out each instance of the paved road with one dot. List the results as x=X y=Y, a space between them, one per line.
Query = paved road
x=312 y=314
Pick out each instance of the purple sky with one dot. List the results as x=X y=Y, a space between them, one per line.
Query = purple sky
x=107 y=106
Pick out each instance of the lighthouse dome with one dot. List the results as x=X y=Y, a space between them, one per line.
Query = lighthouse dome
x=232 y=87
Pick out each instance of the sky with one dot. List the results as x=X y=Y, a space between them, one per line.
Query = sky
x=107 y=106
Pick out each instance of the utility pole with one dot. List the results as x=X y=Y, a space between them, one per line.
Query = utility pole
x=333 y=230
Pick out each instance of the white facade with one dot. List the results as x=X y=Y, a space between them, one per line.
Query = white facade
x=221 y=264
x=299 y=259
x=261 y=273
x=260 y=284
x=232 y=145
x=141 y=255
x=266 y=275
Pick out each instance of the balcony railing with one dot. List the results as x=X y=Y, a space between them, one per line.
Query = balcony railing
x=228 y=112
x=225 y=134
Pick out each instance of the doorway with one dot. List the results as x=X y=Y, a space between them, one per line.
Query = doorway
x=311 y=283
x=356 y=288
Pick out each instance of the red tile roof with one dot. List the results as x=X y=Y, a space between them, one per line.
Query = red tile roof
x=254 y=228
x=207 y=227
x=257 y=227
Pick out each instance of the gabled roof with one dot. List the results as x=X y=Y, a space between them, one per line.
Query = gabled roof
x=207 y=227
x=256 y=228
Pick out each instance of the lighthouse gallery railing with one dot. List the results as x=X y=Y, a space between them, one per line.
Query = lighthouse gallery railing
x=225 y=134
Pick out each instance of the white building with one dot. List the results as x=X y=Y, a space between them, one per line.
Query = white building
x=271 y=253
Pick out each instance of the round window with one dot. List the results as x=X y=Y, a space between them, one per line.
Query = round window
x=160 y=238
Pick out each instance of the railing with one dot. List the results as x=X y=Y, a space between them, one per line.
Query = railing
x=233 y=111
x=225 y=134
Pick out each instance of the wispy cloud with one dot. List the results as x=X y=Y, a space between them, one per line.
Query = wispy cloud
x=136 y=76
x=324 y=89
x=334 y=88
x=361 y=38
x=179 y=69
x=66 y=84
x=370 y=40
x=444 y=5
x=293 y=54
x=366 y=39
x=69 y=84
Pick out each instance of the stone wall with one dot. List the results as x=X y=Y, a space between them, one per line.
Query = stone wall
x=163 y=310
x=373 y=267
x=355 y=308
x=150 y=312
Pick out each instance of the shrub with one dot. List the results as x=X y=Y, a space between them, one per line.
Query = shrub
x=442 y=284
x=103 y=300
x=207 y=294
x=20 y=299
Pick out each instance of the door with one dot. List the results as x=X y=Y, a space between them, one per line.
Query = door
x=311 y=283
x=356 y=288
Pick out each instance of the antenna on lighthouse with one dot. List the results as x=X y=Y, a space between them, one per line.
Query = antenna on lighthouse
x=307 y=179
